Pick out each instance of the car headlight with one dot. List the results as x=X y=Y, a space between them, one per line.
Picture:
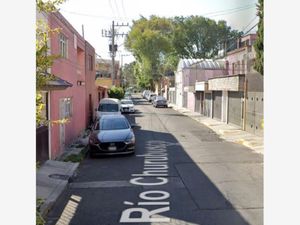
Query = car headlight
x=130 y=139
x=94 y=140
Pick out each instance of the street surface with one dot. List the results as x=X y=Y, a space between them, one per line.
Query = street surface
x=181 y=173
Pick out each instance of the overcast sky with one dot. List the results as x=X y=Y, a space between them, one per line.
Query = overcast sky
x=97 y=15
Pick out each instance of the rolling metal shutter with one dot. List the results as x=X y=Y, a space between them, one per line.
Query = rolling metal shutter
x=207 y=105
x=217 y=104
x=197 y=101
x=185 y=99
x=235 y=106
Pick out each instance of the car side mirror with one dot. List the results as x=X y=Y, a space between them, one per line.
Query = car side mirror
x=134 y=125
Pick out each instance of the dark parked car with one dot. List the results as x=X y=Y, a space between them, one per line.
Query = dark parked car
x=111 y=135
x=160 y=101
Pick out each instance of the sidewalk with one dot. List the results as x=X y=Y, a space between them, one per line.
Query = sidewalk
x=227 y=132
x=51 y=180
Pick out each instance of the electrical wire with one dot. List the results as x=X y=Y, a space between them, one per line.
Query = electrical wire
x=225 y=10
x=123 y=9
x=112 y=10
x=244 y=28
x=250 y=29
x=95 y=16
x=210 y=14
x=239 y=10
x=117 y=8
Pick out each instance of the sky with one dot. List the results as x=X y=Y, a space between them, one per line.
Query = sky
x=97 y=15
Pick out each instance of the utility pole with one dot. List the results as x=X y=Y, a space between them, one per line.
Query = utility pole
x=113 y=48
x=113 y=52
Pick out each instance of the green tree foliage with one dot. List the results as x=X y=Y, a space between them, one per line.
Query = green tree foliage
x=128 y=74
x=259 y=43
x=199 y=37
x=149 y=40
x=158 y=44
x=116 y=92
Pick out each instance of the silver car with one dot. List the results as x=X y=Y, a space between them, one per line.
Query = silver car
x=160 y=101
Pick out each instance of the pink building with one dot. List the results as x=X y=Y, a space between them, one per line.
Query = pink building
x=191 y=72
x=241 y=59
x=91 y=97
x=70 y=103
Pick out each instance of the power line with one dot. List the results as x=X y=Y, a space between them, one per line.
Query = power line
x=225 y=10
x=244 y=28
x=250 y=29
x=118 y=13
x=222 y=14
x=123 y=8
x=112 y=10
x=95 y=16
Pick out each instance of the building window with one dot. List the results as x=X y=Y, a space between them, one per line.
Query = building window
x=63 y=46
x=91 y=64
x=66 y=108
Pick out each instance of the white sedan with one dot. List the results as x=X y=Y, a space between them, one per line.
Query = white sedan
x=127 y=106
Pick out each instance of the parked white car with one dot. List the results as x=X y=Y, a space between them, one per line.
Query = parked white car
x=127 y=106
x=108 y=106
x=146 y=93
x=151 y=96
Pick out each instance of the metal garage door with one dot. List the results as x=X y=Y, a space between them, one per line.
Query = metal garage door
x=197 y=101
x=207 y=105
x=254 y=112
x=217 y=104
x=185 y=99
x=235 y=106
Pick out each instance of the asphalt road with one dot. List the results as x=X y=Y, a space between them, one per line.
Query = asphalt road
x=181 y=173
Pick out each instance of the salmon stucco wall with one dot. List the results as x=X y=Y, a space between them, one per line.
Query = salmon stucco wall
x=71 y=69
x=91 y=89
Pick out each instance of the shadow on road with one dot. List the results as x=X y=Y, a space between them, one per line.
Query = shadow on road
x=194 y=198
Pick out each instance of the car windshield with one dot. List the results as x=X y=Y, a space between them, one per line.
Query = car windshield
x=114 y=124
x=160 y=98
x=126 y=102
x=108 y=108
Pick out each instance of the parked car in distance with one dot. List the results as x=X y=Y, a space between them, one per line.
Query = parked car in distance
x=108 y=106
x=127 y=106
x=160 y=101
x=128 y=95
x=111 y=135
x=151 y=97
x=146 y=93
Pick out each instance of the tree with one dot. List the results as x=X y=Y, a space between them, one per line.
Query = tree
x=149 y=41
x=158 y=43
x=259 y=43
x=199 y=37
x=116 y=92
x=44 y=60
x=128 y=74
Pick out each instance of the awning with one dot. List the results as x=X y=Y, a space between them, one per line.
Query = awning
x=56 y=83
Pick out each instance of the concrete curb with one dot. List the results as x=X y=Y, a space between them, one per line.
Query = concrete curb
x=51 y=180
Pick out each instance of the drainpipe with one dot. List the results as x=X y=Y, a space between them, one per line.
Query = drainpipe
x=211 y=104
x=49 y=126
x=244 y=106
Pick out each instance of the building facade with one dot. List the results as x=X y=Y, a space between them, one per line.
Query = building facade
x=227 y=89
